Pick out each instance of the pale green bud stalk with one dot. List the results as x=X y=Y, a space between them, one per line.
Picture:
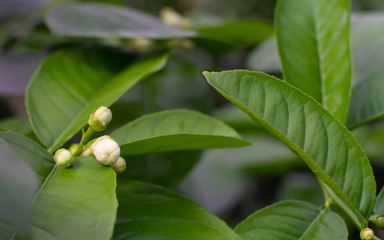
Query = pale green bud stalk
x=367 y=234
x=106 y=150
x=63 y=158
x=120 y=165
x=99 y=120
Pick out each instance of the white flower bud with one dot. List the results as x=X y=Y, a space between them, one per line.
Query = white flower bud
x=63 y=158
x=106 y=150
x=120 y=165
x=100 y=119
x=171 y=17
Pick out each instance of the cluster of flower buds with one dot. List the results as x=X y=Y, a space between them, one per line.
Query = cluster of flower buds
x=107 y=152
x=105 y=149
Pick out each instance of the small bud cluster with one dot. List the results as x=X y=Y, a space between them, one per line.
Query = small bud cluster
x=105 y=149
x=107 y=152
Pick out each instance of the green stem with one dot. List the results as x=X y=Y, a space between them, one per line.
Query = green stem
x=86 y=136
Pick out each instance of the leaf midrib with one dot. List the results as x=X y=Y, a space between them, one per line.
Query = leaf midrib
x=310 y=162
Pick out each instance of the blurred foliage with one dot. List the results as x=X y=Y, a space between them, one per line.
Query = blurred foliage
x=232 y=182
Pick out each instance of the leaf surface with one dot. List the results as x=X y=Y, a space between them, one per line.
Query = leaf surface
x=151 y=212
x=74 y=203
x=241 y=32
x=69 y=86
x=292 y=220
x=109 y=21
x=174 y=130
x=313 y=42
x=310 y=131
x=18 y=184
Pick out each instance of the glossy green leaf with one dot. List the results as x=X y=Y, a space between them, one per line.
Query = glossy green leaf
x=241 y=32
x=109 y=21
x=367 y=40
x=165 y=169
x=70 y=85
x=313 y=42
x=32 y=153
x=74 y=203
x=151 y=212
x=19 y=125
x=174 y=130
x=18 y=184
x=296 y=119
x=292 y=220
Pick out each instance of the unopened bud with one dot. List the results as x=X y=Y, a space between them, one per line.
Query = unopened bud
x=171 y=17
x=75 y=149
x=63 y=158
x=367 y=234
x=106 y=150
x=100 y=119
x=87 y=152
x=120 y=165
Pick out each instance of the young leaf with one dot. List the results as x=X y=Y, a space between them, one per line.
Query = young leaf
x=69 y=86
x=313 y=42
x=175 y=130
x=74 y=203
x=109 y=21
x=296 y=119
x=293 y=220
x=148 y=211
x=241 y=32
x=18 y=184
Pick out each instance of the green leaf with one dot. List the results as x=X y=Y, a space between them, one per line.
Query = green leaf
x=74 y=203
x=296 y=119
x=19 y=125
x=313 y=42
x=367 y=40
x=165 y=169
x=32 y=153
x=292 y=220
x=174 y=130
x=367 y=101
x=18 y=184
x=70 y=85
x=151 y=212
x=109 y=21
x=240 y=32
x=379 y=205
